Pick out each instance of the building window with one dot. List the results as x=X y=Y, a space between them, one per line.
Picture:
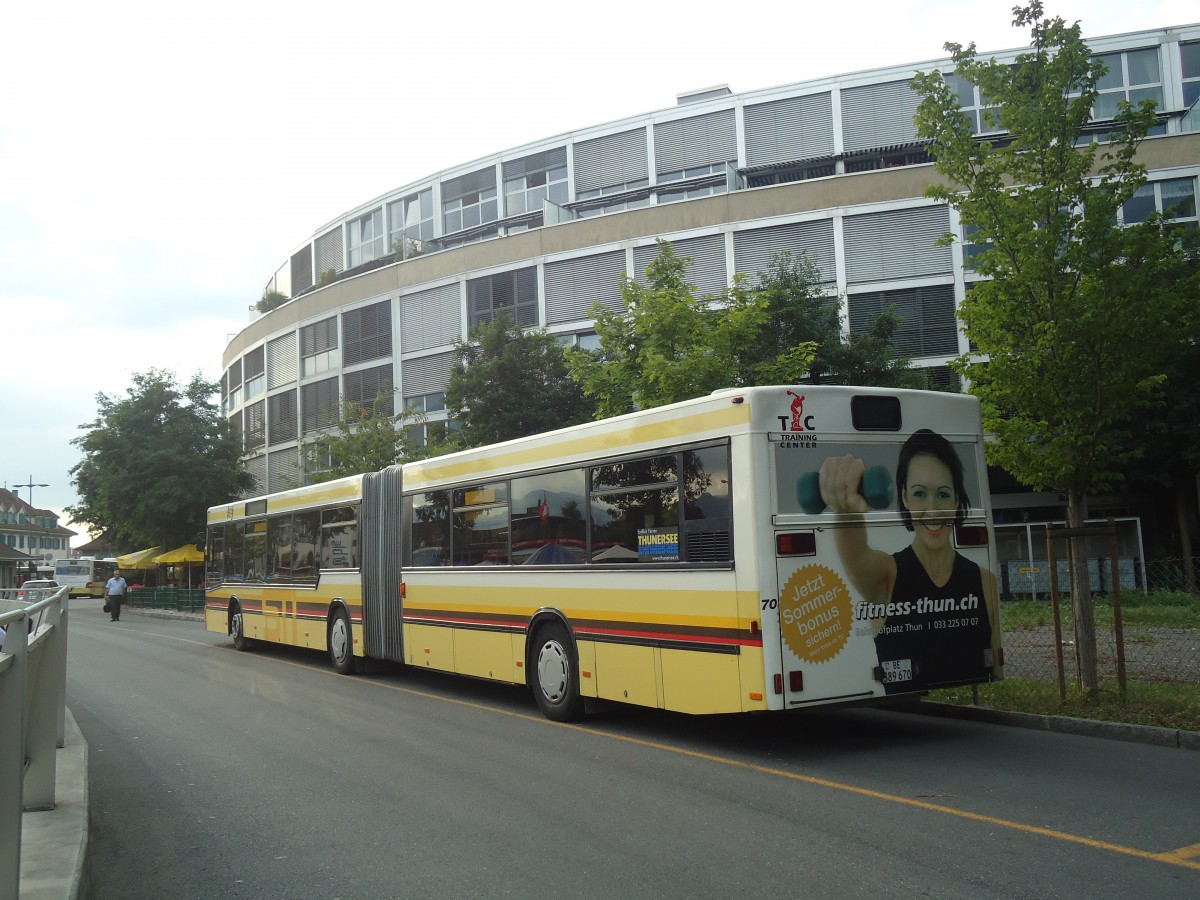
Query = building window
x=365 y=386
x=254 y=428
x=984 y=119
x=319 y=348
x=411 y=220
x=642 y=199
x=971 y=247
x=469 y=201
x=426 y=403
x=692 y=193
x=1174 y=198
x=233 y=383
x=928 y=326
x=365 y=238
x=281 y=418
x=367 y=333
x=320 y=404
x=608 y=190
x=255 y=373
x=1133 y=75
x=532 y=179
x=1190 y=58
x=786 y=174
x=515 y=293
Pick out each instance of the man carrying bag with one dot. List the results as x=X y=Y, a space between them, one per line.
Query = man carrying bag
x=114 y=595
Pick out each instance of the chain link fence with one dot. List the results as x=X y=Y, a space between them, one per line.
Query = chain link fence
x=1160 y=630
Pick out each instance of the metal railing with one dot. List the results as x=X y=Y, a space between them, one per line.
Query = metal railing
x=174 y=598
x=33 y=690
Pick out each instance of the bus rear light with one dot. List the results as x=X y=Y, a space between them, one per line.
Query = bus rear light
x=778 y=683
x=403 y=591
x=796 y=543
x=753 y=628
x=795 y=681
x=970 y=535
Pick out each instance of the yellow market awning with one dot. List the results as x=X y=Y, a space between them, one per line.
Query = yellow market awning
x=143 y=559
x=188 y=553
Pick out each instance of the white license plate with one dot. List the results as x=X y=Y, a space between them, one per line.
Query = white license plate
x=897 y=670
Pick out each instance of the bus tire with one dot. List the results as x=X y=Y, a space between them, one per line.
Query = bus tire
x=341 y=643
x=237 y=628
x=556 y=674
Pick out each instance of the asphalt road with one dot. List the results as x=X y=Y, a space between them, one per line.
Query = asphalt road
x=224 y=774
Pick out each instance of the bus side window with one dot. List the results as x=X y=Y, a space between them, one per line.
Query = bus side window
x=548 y=526
x=708 y=505
x=306 y=532
x=481 y=525
x=255 y=553
x=339 y=538
x=428 y=519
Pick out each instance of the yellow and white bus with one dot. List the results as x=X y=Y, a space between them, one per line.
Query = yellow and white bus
x=83 y=576
x=767 y=548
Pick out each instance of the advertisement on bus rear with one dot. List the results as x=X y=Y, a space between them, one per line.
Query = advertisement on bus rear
x=893 y=593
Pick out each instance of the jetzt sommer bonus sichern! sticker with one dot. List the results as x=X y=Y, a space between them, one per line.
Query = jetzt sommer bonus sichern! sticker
x=815 y=613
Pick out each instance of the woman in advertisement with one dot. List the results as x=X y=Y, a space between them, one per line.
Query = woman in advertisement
x=935 y=610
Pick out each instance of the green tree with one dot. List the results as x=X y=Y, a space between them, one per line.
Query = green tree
x=1072 y=326
x=668 y=344
x=802 y=315
x=509 y=382
x=365 y=438
x=155 y=460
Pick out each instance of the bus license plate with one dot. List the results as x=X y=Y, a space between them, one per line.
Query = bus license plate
x=897 y=670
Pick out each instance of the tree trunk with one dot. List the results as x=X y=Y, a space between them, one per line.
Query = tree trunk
x=1081 y=595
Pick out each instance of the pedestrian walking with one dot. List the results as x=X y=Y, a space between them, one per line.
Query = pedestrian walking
x=114 y=595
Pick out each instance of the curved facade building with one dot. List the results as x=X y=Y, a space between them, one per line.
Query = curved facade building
x=831 y=168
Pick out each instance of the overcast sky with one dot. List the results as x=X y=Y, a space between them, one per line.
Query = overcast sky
x=159 y=161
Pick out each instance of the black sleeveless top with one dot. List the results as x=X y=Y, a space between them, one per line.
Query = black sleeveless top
x=942 y=630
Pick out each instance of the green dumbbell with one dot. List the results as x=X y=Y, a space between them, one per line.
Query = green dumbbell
x=875 y=487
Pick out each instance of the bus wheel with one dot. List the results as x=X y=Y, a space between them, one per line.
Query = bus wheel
x=556 y=685
x=240 y=641
x=341 y=643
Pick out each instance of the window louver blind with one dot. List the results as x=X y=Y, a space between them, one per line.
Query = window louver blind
x=902 y=243
x=612 y=159
x=320 y=404
x=367 y=332
x=426 y=375
x=430 y=318
x=928 y=326
x=281 y=417
x=328 y=249
x=281 y=361
x=706 y=270
x=573 y=286
x=699 y=141
x=786 y=130
x=878 y=115
x=753 y=250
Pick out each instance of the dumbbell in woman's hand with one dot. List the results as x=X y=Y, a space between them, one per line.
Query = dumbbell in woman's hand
x=875 y=487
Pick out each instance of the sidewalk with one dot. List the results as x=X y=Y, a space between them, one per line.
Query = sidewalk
x=54 y=842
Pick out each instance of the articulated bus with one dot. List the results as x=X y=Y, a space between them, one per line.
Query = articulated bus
x=84 y=577
x=768 y=548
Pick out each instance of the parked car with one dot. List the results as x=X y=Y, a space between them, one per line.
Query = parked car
x=36 y=589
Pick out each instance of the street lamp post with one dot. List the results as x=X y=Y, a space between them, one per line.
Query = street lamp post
x=31 y=484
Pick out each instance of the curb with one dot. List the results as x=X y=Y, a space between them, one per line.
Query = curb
x=1175 y=738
